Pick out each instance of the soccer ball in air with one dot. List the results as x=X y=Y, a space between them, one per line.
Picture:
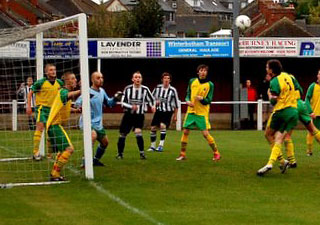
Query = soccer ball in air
x=243 y=22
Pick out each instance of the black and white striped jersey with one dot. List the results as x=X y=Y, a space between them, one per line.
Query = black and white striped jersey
x=141 y=97
x=167 y=98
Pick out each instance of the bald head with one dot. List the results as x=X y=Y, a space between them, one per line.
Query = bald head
x=97 y=80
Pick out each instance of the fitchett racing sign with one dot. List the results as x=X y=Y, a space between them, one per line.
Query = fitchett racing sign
x=268 y=47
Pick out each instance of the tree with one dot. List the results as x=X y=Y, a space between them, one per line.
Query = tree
x=314 y=16
x=148 y=19
x=109 y=24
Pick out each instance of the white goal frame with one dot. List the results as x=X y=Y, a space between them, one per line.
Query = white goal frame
x=37 y=31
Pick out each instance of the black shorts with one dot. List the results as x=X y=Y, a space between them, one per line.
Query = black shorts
x=130 y=122
x=161 y=117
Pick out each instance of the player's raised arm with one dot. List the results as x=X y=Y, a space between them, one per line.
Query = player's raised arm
x=107 y=101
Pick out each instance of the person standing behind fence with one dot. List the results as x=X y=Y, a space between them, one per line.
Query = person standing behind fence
x=198 y=99
x=263 y=94
x=252 y=96
x=23 y=91
x=167 y=99
x=136 y=97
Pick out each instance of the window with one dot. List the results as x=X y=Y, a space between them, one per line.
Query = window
x=230 y=6
x=174 y=5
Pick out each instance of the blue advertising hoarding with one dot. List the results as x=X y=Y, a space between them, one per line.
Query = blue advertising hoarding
x=63 y=49
x=199 y=48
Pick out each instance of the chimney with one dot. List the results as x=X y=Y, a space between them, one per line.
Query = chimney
x=34 y=2
x=3 y=5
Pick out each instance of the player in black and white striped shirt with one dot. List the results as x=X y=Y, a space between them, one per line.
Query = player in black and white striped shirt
x=136 y=97
x=167 y=105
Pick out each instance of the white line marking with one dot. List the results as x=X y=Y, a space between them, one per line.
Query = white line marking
x=124 y=204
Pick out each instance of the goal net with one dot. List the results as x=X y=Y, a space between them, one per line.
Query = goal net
x=24 y=54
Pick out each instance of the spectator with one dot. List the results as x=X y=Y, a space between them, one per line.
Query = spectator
x=252 y=96
x=22 y=93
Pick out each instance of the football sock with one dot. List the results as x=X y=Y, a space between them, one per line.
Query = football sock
x=100 y=151
x=309 y=142
x=276 y=150
x=184 y=138
x=290 y=150
x=121 y=144
x=184 y=143
x=36 y=141
x=212 y=144
x=183 y=148
x=163 y=134
x=140 y=142
x=316 y=134
x=61 y=160
x=153 y=138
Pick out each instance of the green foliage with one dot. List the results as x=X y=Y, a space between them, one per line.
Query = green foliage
x=314 y=16
x=191 y=33
x=310 y=10
x=109 y=24
x=148 y=17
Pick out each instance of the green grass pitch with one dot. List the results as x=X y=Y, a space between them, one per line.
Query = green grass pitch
x=161 y=190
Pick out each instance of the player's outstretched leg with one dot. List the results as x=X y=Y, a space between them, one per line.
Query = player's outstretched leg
x=275 y=153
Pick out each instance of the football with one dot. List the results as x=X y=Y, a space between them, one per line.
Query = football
x=243 y=22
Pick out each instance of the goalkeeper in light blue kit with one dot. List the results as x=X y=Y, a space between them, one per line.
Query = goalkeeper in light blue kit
x=98 y=98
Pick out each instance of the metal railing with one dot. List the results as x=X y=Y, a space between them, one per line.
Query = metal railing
x=259 y=103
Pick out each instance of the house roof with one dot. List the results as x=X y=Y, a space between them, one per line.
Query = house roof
x=201 y=24
x=222 y=32
x=285 y=28
x=131 y=3
x=211 y=6
x=43 y=4
x=165 y=6
x=6 y=22
x=72 y=7
x=314 y=29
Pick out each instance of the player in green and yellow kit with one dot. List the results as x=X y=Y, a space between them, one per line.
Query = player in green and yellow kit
x=60 y=113
x=45 y=90
x=285 y=114
x=312 y=102
x=199 y=97
x=304 y=110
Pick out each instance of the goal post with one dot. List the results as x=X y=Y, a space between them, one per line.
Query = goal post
x=16 y=166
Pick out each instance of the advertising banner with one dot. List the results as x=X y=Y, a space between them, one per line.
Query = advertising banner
x=16 y=50
x=309 y=48
x=63 y=49
x=130 y=48
x=199 y=48
x=268 y=47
